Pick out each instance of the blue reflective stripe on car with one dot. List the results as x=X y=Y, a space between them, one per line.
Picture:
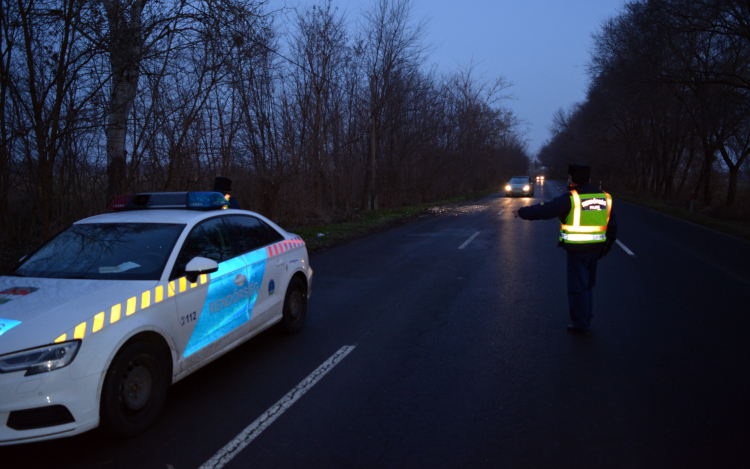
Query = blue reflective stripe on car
x=256 y=267
x=229 y=302
x=7 y=324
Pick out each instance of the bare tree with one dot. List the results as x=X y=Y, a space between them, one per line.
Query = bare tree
x=392 y=50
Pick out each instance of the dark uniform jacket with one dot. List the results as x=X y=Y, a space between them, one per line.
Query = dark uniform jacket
x=233 y=203
x=560 y=207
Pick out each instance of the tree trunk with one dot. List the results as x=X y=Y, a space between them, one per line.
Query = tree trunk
x=709 y=156
x=734 y=171
x=369 y=194
x=685 y=171
x=124 y=57
x=46 y=181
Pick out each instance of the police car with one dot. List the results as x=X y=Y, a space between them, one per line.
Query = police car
x=97 y=323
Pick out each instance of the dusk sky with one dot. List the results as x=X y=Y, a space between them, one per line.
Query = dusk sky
x=542 y=46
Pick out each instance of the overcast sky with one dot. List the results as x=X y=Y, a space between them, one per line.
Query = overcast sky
x=542 y=46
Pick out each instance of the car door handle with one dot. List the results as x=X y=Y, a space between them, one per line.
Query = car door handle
x=239 y=280
x=281 y=262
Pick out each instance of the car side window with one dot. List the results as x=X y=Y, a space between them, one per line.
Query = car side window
x=208 y=239
x=249 y=233
x=273 y=235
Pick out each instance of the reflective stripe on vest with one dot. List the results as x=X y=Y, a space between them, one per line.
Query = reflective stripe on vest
x=591 y=230
x=583 y=237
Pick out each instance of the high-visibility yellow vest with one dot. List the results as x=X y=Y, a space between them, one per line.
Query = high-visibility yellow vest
x=588 y=218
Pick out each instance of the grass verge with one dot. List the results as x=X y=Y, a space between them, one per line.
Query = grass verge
x=739 y=229
x=337 y=233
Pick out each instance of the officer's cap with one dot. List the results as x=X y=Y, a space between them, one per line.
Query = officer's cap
x=222 y=184
x=581 y=173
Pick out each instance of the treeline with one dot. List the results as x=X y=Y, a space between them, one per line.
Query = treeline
x=668 y=109
x=310 y=113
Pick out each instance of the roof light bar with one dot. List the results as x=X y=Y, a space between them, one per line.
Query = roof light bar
x=171 y=200
x=120 y=202
x=206 y=200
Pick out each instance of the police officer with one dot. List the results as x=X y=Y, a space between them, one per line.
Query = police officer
x=224 y=185
x=588 y=228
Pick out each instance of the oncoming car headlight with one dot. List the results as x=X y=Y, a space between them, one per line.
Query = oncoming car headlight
x=40 y=359
x=525 y=188
x=508 y=188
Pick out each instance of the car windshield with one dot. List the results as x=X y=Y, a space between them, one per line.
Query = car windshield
x=519 y=180
x=111 y=251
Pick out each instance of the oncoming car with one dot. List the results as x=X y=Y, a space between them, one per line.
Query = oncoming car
x=520 y=185
x=97 y=323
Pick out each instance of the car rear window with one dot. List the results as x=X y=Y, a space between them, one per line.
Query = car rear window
x=248 y=232
x=108 y=251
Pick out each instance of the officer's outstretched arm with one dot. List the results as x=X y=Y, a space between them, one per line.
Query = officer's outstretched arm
x=555 y=208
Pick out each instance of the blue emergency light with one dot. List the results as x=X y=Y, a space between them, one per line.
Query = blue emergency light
x=170 y=200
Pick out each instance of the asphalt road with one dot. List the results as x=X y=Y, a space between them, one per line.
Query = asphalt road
x=461 y=358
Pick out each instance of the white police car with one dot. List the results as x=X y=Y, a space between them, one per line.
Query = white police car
x=102 y=318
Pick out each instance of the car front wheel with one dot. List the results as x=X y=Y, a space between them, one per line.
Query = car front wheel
x=135 y=389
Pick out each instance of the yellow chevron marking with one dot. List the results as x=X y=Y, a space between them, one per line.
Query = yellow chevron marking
x=80 y=331
x=98 y=322
x=115 y=316
x=131 y=306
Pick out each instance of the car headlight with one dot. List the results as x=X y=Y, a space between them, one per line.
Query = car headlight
x=525 y=188
x=508 y=188
x=40 y=359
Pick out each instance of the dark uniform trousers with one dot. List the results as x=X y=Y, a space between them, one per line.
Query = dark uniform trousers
x=581 y=281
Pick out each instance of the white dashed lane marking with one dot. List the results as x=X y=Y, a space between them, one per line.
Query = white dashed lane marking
x=624 y=248
x=469 y=240
x=231 y=449
x=501 y=212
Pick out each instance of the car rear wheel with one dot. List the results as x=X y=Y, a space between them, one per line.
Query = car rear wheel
x=135 y=389
x=295 y=307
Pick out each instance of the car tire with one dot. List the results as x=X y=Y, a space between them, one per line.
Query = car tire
x=134 y=390
x=295 y=307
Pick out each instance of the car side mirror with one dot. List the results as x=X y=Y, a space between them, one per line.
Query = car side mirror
x=199 y=266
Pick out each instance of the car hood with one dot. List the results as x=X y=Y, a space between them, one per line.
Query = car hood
x=35 y=311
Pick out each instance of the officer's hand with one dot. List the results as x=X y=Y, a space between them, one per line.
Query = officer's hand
x=515 y=213
x=605 y=250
